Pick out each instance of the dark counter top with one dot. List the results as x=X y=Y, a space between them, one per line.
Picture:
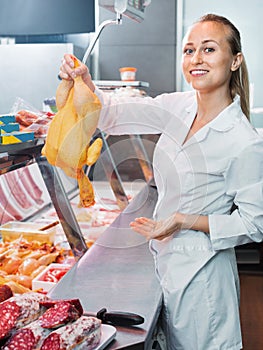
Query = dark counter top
x=117 y=273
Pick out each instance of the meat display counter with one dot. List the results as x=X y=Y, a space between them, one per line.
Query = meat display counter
x=117 y=272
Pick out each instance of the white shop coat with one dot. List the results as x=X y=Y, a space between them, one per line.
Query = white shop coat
x=221 y=164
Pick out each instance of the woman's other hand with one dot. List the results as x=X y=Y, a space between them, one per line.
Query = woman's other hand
x=68 y=72
x=159 y=230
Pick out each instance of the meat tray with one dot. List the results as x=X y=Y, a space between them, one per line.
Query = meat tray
x=108 y=333
x=28 y=230
x=46 y=284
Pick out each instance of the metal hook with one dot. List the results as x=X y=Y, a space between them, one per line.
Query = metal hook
x=87 y=54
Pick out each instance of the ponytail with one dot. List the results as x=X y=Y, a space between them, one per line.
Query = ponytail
x=239 y=85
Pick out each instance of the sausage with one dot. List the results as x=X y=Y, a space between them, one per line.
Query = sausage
x=62 y=313
x=84 y=333
x=52 y=342
x=9 y=313
x=27 y=338
x=5 y=292
x=28 y=306
x=23 y=339
x=75 y=302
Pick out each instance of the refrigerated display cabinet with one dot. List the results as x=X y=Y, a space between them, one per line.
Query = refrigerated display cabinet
x=117 y=272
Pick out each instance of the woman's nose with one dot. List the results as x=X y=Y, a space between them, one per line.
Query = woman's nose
x=197 y=58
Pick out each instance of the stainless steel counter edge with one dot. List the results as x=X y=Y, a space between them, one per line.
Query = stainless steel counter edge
x=118 y=273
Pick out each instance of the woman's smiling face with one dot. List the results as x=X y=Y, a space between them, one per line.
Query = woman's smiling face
x=207 y=58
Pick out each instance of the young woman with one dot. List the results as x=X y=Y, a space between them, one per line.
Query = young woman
x=208 y=158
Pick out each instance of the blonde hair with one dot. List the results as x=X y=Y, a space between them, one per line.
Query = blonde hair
x=239 y=82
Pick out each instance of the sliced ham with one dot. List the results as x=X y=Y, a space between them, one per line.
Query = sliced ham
x=15 y=188
x=31 y=186
x=8 y=207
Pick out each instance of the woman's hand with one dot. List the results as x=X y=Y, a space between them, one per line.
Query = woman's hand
x=68 y=72
x=159 y=230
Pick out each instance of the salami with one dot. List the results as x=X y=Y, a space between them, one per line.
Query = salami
x=22 y=340
x=18 y=311
x=32 y=336
x=62 y=313
x=9 y=313
x=30 y=307
x=75 y=302
x=84 y=333
x=5 y=292
x=52 y=342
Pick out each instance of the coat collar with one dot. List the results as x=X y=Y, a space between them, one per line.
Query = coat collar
x=225 y=120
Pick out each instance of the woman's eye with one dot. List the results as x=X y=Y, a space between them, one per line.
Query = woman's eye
x=209 y=49
x=188 y=51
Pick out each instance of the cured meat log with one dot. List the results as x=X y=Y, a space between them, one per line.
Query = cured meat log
x=22 y=339
x=84 y=333
x=27 y=338
x=68 y=140
x=9 y=314
x=5 y=292
x=19 y=311
x=75 y=302
x=21 y=327
x=58 y=315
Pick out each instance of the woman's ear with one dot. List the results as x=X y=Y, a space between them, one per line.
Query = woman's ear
x=237 y=61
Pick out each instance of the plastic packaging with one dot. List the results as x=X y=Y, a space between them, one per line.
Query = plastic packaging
x=128 y=73
x=31 y=119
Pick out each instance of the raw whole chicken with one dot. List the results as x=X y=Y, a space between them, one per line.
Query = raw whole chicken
x=68 y=140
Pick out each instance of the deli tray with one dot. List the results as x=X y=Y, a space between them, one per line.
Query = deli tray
x=108 y=333
x=14 y=148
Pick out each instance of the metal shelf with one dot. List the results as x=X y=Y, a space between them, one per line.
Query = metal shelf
x=19 y=155
x=113 y=84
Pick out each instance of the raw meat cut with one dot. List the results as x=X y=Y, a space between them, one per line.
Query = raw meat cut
x=31 y=186
x=16 y=190
x=68 y=140
x=10 y=209
x=4 y=215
